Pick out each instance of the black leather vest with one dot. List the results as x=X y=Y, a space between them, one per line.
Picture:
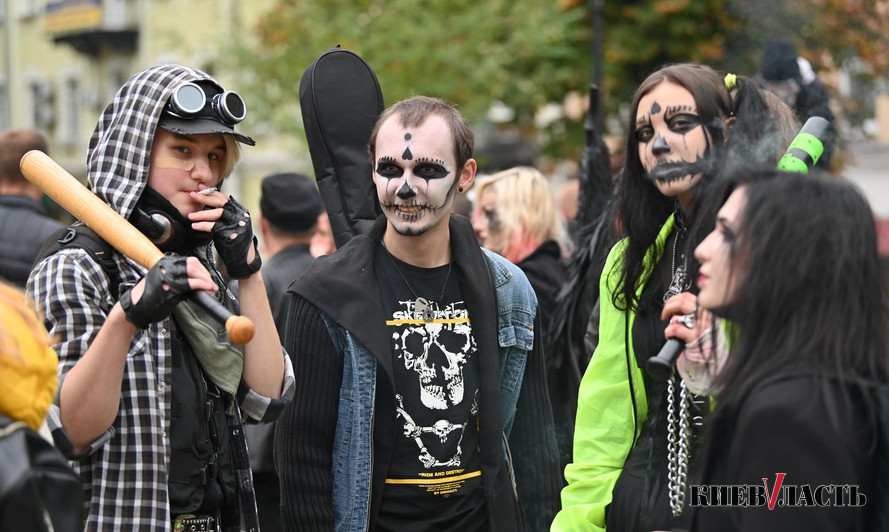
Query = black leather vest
x=201 y=476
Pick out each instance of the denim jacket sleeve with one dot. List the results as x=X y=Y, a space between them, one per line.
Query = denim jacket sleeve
x=527 y=418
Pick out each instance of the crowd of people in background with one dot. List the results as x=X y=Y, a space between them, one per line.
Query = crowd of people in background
x=406 y=381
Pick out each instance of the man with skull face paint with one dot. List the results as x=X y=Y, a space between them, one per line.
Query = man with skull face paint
x=687 y=127
x=418 y=365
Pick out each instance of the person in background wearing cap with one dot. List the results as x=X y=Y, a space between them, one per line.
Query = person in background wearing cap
x=290 y=206
x=152 y=393
x=783 y=72
x=24 y=224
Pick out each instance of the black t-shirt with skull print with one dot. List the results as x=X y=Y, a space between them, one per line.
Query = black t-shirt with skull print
x=434 y=478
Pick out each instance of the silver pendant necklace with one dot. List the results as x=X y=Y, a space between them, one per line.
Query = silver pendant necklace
x=679 y=281
x=423 y=309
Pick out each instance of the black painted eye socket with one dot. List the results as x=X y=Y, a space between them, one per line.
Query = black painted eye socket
x=431 y=171
x=644 y=133
x=683 y=122
x=389 y=170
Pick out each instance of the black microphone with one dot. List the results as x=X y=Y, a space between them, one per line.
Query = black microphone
x=661 y=365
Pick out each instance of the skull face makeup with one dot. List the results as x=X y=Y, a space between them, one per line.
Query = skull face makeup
x=415 y=174
x=673 y=143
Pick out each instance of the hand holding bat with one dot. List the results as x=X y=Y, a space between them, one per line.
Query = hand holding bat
x=68 y=192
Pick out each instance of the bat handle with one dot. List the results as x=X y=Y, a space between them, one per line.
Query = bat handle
x=660 y=367
x=240 y=329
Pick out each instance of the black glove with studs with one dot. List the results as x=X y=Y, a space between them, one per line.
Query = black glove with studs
x=166 y=284
x=233 y=236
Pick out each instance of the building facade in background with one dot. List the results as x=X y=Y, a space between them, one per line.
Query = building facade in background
x=61 y=61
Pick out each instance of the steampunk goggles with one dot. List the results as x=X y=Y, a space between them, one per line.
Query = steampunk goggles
x=189 y=100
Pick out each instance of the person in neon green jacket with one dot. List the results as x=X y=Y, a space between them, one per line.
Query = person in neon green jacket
x=687 y=126
x=600 y=449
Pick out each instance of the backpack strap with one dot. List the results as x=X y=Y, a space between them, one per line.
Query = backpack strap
x=78 y=235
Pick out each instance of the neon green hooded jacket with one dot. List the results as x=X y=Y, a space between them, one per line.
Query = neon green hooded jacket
x=604 y=430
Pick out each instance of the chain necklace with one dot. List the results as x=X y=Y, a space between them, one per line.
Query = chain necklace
x=422 y=307
x=679 y=433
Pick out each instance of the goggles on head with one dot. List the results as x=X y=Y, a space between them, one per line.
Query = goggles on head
x=189 y=100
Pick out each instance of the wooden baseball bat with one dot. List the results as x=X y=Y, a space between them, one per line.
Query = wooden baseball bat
x=74 y=197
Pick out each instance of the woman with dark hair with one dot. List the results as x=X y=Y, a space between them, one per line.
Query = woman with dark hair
x=797 y=398
x=688 y=125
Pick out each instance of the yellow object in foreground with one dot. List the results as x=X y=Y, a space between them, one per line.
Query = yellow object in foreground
x=28 y=364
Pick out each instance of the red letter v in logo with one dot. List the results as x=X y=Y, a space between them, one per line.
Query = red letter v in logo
x=773 y=496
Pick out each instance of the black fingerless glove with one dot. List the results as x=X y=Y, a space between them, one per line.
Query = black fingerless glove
x=166 y=284
x=233 y=236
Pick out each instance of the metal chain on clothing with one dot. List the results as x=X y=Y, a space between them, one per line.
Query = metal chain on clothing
x=678 y=445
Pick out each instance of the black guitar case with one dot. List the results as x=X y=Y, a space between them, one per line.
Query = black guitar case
x=341 y=100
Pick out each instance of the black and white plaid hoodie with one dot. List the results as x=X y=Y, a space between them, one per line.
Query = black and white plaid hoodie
x=124 y=472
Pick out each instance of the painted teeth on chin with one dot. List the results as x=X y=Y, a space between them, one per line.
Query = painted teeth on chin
x=670 y=175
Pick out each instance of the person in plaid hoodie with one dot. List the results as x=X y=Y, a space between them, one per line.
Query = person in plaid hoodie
x=152 y=393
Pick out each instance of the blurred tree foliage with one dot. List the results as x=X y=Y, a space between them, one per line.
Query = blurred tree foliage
x=825 y=31
x=530 y=52
x=469 y=52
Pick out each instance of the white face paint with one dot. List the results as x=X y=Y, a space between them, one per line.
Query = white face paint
x=415 y=174
x=672 y=140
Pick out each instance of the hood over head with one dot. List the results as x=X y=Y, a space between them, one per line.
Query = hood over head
x=119 y=152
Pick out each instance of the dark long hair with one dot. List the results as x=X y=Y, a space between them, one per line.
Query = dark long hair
x=642 y=209
x=810 y=296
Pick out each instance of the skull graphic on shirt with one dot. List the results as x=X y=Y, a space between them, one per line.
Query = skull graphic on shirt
x=437 y=352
